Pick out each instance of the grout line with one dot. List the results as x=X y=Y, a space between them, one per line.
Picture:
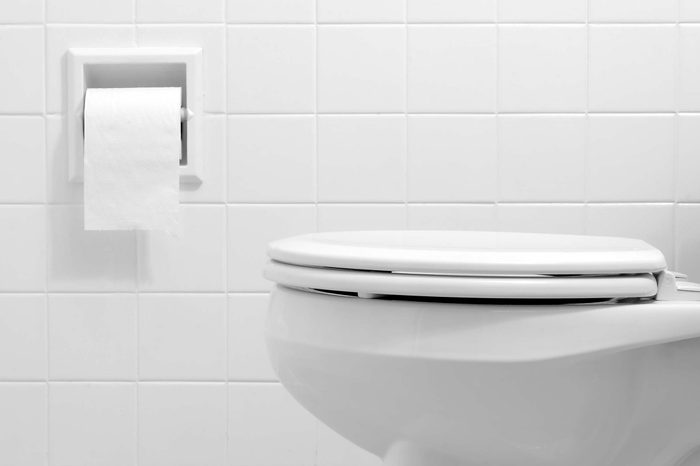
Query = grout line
x=47 y=309
x=498 y=115
x=316 y=118
x=587 y=123
x=346 y=24
x=355 y=114
x=227 y=452
x=676 y=140
x=406 y=155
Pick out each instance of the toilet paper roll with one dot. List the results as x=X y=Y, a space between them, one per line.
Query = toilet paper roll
x=132 y=153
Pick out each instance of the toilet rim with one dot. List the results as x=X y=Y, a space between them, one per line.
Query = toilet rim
x=377 y=283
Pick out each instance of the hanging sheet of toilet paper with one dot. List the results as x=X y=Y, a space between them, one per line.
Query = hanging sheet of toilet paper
x=132 y=156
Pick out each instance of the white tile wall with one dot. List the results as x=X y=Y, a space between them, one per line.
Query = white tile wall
x=577 y=116
x=182 y=337
x=689 y=10
x=451 y=11
x=192 y=261
x=271 y=11
x=23 y=177
x=27 y=11
x=92 y=336
x=24 y=423
x=542 y=11
x=253 y=153
x=258 y=56
x=452 y=158
x=633 y=10
x=182 y=424
x=631 y=158
x=22 y=80
x=361 y=11
x=180 y=11
x=247 y=353
x=23 y=337
x=265 y=414
x=361 y=69
x=451 y=69
x=542 y=158
x=88 y=11
x=542 y=68
x=22 y=248
x=361 y=158
x=92 y=424
x=689 y=79
x=632 y=68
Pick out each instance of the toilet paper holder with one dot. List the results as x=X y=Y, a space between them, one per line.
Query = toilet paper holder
x=137 y=67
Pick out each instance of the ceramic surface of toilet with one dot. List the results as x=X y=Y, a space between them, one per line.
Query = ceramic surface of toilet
x=481 y=348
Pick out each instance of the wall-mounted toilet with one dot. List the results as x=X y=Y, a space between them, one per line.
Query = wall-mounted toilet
x=499 y=349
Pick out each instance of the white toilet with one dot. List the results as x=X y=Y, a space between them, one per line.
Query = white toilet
x=499 y=349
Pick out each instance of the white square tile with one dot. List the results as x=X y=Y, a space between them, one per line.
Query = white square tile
x=687 y=183
x=271 y=11
x=23 y=337
x=633 y=10
x=22 y=248
x=689 y=10
x=542 y=218
x=23 y=424
x=22 y=83
x=92 y=336
x=26 y=11
x=689 y=79
x=632 y=68
x=361 y=158
x=263 y=415
x=451 y=11
x=194 y=261
x=23 y=177
x=258 y=56
x=182 y=424
x=211 y=39
x=251 y=228
x=542 y=158
x=361 y=11
x=334 y=450
x=452 y=217
x=344 y=217
x=90 y=11
x=688 y=241
x=452 y=158
x=542 y=11
x=542 y=68
x=651 y=223
x=630 y=158
x=248 y=359
x=452 y=68
x=60 y=38
x=82 y=260
x=182 y=337
x=92 y=424
x=361 y=68
x=213 y=187
x=272 y=169
x=180 y=11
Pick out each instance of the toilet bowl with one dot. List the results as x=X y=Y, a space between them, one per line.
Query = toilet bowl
x=478 y=348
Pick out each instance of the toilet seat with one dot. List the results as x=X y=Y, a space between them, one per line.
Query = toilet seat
x=479 y=265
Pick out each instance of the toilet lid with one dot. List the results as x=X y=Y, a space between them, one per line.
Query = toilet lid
x=469 y=253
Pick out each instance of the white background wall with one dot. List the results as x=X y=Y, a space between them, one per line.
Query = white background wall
x=534 y=115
